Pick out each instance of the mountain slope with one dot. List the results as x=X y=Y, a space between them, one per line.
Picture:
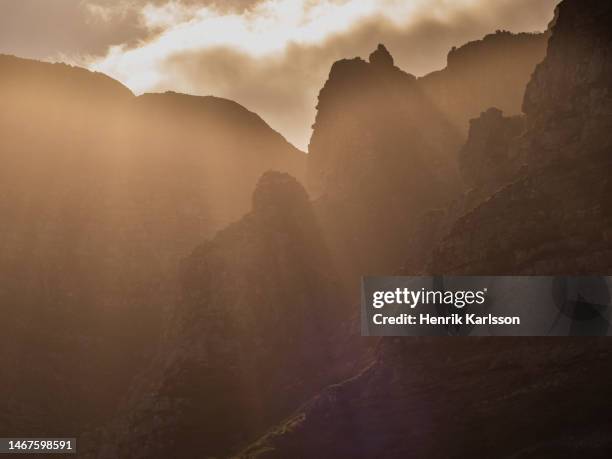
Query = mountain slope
x=555 y=210
x=102 y=194
x=255 y=333
x=488 y=397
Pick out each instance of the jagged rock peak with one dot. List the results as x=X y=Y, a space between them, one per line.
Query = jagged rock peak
x=381 y=57
x=278 y=190
x=487 y=160
x=492 y=113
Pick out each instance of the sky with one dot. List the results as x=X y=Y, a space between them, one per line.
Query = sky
x=272 y=56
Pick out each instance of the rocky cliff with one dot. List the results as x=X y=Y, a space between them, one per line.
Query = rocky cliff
x=374 y=164
x=552 y=219
x=491 y=72
x=487 y=397
x=568 y=101
x=383 y=150
x=487 y=158
x=370 y=117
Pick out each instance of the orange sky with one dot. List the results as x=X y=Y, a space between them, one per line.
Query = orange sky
x=270 y=55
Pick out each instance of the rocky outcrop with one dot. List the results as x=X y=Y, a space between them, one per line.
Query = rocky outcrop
x=568 y=101
x=377 y=158
x=552 y=219
x=371 y=117
x=491 y=72
x=487 y=160
x=383 y=150
x=258 y=330
x=381 y=57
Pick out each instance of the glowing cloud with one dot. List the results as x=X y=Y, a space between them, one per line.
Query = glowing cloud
x=273 y=55
x=268 y=28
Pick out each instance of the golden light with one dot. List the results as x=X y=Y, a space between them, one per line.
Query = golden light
x=264 y=30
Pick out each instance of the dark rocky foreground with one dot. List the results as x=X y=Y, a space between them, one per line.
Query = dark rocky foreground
x=444 y=397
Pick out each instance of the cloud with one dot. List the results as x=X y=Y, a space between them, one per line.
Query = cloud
x=275 y=56
x=73 y=29
x=43 y=29
x=272 y=56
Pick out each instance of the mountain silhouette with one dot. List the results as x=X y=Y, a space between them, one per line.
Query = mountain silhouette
x=487 y=397
x=177 y=280
x=254 y=333
x=102 y=194
x=491 y=72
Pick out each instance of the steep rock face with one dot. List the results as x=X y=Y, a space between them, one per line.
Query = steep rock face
x=383 y=151
x=491 y=72
x=368 y=113
x=553 y=219
x=377 y=158
x=488 y=161
x=568 y=101
x=487 y=158
x=102 y=194
x=487 y=397
x=255 y=335
x=552 y=222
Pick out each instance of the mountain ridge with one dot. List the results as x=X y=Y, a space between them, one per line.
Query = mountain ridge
x=103 y=193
